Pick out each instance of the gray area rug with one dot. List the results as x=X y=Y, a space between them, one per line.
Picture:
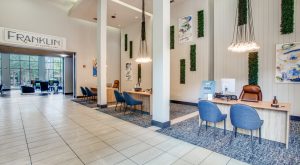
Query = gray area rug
x=267 y=153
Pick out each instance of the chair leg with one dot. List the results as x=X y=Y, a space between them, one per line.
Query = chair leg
x=125 y=109
x=116 y=106
x=214 y=131
x=259 y=135
x=235 y=132
x=251 y=141
x=200 y=125
x=206 y=125
x=224 y=127
x=232 y=135
x=141 y=108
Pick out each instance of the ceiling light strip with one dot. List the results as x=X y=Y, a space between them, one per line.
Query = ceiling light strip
x=130 y=7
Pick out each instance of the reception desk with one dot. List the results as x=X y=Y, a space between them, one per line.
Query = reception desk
x=145 y=97
x=109 y=93
x=276 y=120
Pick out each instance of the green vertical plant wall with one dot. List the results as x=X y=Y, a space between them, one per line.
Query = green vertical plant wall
x=182 y=71
x=126 y=42
x=253 y=68
x=172 y=37
x=200 y=23
x=130 y=49
x=139 y=72
x=287 y=16
x=242 y=12
x=193 y=58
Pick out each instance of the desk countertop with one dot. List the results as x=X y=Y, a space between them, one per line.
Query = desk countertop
x=139 y=93
x=261 y=104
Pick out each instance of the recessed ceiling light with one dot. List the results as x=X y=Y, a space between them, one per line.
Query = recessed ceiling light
x=136 y=17
x=119 y=25
x=63 y=55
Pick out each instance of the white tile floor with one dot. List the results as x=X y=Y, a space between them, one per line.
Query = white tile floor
x=55 y=130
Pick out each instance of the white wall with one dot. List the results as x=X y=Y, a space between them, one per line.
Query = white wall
x=134 y=34
x=267 y=17
x=190 y=91
x=46 y=18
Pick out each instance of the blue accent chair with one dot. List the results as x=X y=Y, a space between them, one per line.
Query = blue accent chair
x=245 y=117
x=209 y=112
x=130 y=101
x=90 y=94
x=84 y=93
x=119 y=99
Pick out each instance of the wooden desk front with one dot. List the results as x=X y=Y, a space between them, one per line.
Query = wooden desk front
x=109 y=93
x=276 y=120
x=145 y=97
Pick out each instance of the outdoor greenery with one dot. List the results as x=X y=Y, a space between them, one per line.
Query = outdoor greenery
x=193 y=58
x=126 y=42
x=243 y=12
x=139 y=72
x=172 y=37
x=253 y=68
x=130 y=49
x=182 y=71
x=287 y=16
x=200 y=23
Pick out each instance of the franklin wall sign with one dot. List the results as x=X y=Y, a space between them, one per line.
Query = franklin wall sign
x=29 y=39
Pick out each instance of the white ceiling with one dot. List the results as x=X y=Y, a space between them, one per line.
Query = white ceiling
x=87 y=10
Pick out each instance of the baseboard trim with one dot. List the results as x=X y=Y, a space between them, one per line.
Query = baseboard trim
x=295 y=118
x=68 y=93
x=183 y=103
x=102 y=106
x=160 y=124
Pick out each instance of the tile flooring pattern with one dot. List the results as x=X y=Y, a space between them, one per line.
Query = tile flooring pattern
x=269 y=152
x=55 y=130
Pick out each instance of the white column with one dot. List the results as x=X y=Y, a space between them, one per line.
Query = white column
x=101 y=52
x=161 y=63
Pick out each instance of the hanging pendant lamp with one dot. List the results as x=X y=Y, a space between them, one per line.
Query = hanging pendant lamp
x=143 y=54
x=243 y=36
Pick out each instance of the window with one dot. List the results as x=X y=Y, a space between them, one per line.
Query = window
x=23 y=69
x=54 y=68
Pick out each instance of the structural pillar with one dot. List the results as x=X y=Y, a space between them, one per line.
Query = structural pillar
x=161 y=63
x=101 y=53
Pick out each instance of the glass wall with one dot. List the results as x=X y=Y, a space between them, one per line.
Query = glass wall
x=23 y=69
x=54 y=68
x=0 y=69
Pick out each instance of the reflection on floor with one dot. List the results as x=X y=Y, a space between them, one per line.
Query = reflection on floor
x=268 y=152
x=55 y=130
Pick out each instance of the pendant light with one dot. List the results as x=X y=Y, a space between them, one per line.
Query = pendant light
x=243 y=36
x=143 y=53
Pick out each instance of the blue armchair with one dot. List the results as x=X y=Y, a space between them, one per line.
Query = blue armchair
x=119 y=99
x=130 y=101
x=245 y=117
x=84 y=93
x=90 y=94
x=210 y=112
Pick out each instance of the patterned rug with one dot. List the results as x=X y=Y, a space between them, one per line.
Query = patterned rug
x=89 y=103
x=267 y=153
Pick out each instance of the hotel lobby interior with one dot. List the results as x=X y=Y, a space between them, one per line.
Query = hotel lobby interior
x=132 y=82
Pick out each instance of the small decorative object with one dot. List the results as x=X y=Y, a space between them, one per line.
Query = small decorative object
x=126 y=42
x=182 y=71
x=172 y=37
x=288 y=63
x=200 y=23
x=193 y=58
x=253 y=68
x=143 y=52
x=95 y=67
x=185 y=29
x=84 y=66
x=139 y=72
x=128 y=72
x=243 y=36
x=287 y=16
x=275 y=102
x=130 y=49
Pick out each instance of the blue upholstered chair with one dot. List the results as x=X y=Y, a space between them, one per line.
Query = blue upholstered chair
x=245 y=117
x=84 y=94
x=89 y=93
x=209 y=112
x=119 y=99
x=130 y=101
